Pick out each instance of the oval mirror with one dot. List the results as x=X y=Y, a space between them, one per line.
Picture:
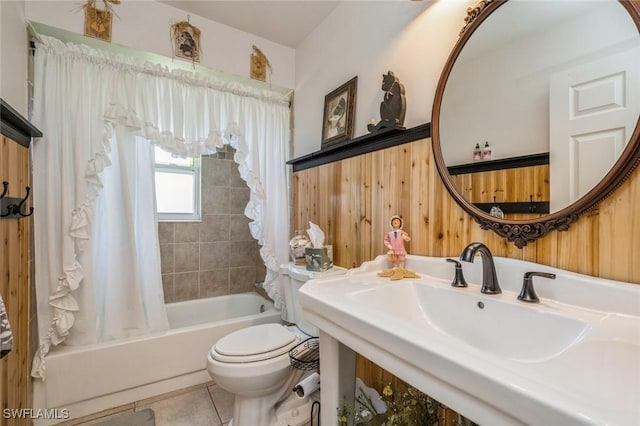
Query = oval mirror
x=549 y=90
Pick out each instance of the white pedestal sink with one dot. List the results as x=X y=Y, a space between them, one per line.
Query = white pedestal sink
x=573 y=358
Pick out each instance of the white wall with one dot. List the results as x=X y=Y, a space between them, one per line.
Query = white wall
x=13 y=55
x=367 y=39
x=363 y=38
x=145 y=25
x=503 y=93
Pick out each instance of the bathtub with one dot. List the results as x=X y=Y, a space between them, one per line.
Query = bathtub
x=88 y=379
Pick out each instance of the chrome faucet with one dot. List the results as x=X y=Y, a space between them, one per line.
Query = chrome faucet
x=489 y=279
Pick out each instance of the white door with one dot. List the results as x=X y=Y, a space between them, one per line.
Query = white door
x=593 y=110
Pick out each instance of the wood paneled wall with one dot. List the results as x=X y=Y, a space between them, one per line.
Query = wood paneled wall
x=353 y=199
x=14 y=283
x=522 y=184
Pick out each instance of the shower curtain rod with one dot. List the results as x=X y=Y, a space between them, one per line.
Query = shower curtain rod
x=273 y=93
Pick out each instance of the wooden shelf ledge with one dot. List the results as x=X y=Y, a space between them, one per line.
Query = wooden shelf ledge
x=361 y=145
x=15 y=126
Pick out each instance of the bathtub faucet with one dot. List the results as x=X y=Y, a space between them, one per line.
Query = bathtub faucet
x=489 y=279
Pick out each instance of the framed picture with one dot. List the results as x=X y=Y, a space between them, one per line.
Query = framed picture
x=97 y=23
x=339 y=110
x=186 y=41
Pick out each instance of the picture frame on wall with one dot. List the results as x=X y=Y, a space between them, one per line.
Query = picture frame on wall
x=97 y=23
x=186 y=41
x=339 y=111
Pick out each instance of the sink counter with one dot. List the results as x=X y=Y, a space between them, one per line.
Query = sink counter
x=573 y=358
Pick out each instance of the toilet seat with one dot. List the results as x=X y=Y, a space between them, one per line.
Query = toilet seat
x=255 y=343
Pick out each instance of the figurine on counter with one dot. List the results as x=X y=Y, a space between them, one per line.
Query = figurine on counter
x=395 y=241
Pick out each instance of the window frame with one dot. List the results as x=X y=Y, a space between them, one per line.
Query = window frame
x=195 y=170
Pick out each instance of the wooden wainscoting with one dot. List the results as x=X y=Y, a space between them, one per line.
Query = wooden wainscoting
x=14 y=282
x=15 y=264
x=353 y=199
x=517 y=185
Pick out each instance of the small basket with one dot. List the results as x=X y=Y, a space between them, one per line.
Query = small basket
x=306 y=355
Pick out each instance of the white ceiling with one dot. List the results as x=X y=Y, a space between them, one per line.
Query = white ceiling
x=281 y=21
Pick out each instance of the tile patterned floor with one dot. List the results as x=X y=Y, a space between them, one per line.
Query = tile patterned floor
x=199 y=405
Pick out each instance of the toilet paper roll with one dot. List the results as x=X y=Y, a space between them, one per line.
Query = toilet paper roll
x=307 y=386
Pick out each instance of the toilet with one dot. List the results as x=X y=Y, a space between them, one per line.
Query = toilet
x=253 y=363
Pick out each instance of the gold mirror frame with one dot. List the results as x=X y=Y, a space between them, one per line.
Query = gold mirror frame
x=520 y=232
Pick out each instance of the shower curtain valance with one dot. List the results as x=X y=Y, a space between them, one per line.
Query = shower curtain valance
x=83 y=99
x=186 y=113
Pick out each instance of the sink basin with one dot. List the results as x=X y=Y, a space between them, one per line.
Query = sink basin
x=573 y=358
x=492 y=324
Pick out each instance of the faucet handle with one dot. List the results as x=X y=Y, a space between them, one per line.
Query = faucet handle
x=528 y=293
x=458 y=279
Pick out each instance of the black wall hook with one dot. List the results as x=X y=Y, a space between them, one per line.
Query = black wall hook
x=12 y=208
x=532 y=206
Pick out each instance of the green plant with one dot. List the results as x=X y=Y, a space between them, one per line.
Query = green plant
x=407 y=408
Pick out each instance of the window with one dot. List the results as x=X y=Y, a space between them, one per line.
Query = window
x=177 y=187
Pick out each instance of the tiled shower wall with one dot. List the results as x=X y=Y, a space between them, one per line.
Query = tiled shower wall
x=218 y=255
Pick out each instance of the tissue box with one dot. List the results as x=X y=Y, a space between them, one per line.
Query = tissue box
x=318 y=259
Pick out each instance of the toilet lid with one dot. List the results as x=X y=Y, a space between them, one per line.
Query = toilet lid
x=254 y=343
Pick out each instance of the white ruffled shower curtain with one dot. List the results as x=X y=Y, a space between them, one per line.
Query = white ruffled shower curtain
x=96 y=243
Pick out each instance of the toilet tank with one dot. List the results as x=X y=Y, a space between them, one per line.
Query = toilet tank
x=293 y=277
